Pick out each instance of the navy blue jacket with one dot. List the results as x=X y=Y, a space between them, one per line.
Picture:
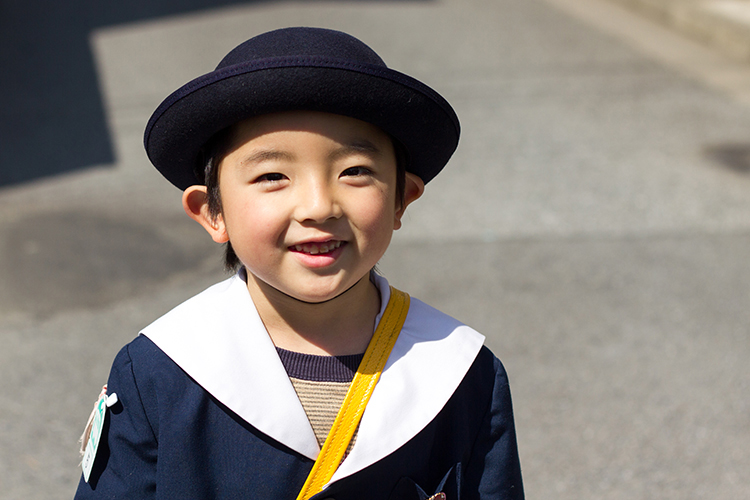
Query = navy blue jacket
x=168 y=437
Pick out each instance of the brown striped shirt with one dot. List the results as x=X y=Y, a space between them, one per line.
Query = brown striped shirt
x=321 y=383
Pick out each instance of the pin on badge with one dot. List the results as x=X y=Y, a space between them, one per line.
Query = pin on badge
x=93 y=432
x=438 y=496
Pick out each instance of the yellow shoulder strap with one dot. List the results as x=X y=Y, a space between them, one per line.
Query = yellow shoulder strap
x=359 y=393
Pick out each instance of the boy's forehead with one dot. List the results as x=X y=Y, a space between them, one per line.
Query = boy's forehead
x=345 y=130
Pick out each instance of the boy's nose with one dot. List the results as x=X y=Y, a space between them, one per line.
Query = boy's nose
x=317 y=204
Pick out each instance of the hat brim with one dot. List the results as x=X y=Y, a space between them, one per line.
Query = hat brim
x=415 y=115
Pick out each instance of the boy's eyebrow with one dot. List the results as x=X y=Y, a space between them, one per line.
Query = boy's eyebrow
x=362 y=146
x=266 y=155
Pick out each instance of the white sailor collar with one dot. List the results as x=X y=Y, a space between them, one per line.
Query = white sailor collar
x=230 y=354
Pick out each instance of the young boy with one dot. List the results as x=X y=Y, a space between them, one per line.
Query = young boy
x=301 y=152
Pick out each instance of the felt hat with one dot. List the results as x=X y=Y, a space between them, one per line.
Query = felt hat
x=301 y=69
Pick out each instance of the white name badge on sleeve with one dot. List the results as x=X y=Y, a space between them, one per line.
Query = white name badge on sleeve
x=93 y=432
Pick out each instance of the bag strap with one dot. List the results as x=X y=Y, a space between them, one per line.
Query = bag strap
x=358 y=395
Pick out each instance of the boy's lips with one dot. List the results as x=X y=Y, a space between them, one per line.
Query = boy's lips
x=318 y=254
x=317 y=248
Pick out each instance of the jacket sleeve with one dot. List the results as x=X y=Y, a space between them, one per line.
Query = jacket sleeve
x=125 y=463
x=494 y=469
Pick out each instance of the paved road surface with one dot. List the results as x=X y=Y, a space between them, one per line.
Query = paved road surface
x=595 y=224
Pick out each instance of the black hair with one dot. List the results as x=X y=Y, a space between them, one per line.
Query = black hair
x=217 y=147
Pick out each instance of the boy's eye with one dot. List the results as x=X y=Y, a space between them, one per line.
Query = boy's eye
x=270 y=177
x=355 y=171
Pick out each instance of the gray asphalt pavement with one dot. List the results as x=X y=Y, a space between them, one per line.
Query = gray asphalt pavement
x=594 y=224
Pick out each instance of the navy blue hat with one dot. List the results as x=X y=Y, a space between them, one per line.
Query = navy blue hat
x=301 y=69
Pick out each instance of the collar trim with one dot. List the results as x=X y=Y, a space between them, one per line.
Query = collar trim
x=224 y=350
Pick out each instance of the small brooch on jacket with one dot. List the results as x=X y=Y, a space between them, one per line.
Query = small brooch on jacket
x=93 y=431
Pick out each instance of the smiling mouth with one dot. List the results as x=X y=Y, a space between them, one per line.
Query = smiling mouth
x=317 y=248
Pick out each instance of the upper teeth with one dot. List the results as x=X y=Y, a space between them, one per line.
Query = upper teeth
x=316 y=248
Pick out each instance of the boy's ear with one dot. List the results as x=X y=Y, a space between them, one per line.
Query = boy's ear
x=195 y=203
x=413 y=189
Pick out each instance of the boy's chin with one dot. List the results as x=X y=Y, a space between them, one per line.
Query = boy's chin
x=311 y=298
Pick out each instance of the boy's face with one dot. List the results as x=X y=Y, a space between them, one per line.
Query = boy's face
x=309 y=200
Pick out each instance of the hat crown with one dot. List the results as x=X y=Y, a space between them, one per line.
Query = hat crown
x=312 y=69
x=302 y=42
